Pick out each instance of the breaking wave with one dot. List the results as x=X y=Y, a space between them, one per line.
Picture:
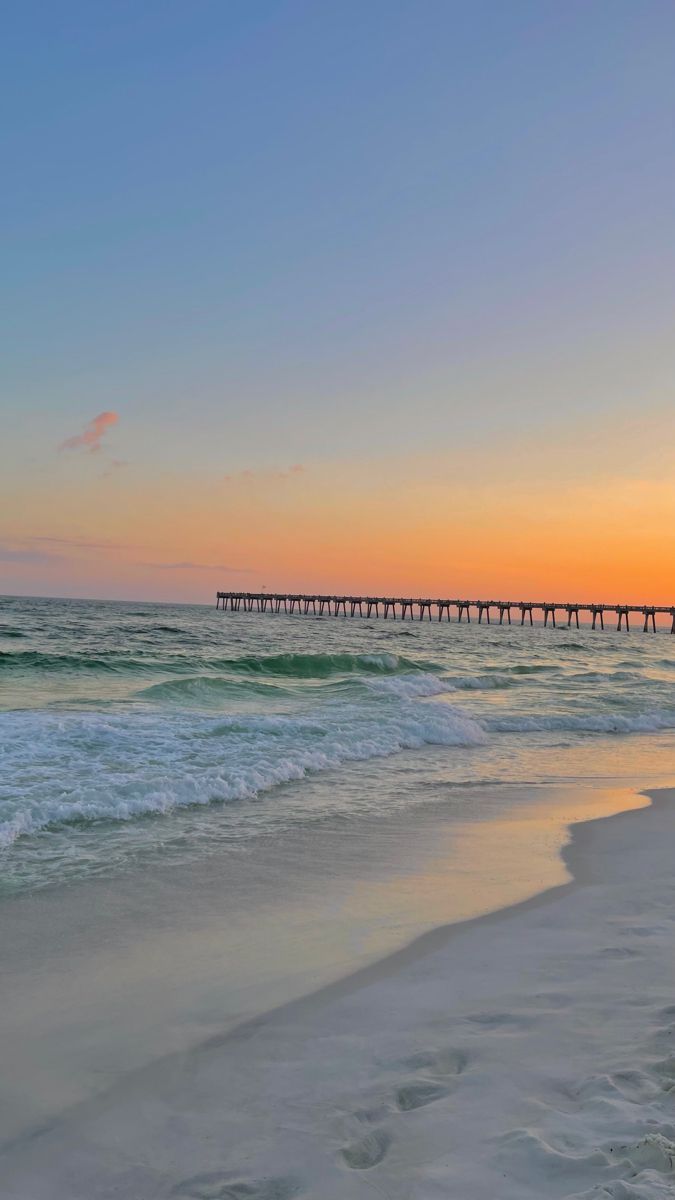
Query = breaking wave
x=320 y=666
x=73 y=768
x=292 y=666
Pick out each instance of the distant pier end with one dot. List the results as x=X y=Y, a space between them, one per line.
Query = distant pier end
x=418 y=608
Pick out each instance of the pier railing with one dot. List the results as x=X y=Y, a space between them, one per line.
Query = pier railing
x=402 y=607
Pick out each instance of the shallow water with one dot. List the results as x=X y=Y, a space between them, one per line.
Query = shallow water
x=131 y=733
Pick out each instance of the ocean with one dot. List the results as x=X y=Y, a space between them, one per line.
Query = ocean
x=206 y=815
x=132 y=733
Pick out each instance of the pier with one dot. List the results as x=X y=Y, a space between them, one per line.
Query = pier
x=419 y=608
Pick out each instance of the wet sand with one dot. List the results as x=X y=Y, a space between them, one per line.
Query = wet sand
x=378 y=1079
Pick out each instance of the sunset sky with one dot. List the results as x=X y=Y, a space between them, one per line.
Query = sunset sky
x=338 y=296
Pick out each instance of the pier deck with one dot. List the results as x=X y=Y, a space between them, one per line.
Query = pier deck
x=402 y=607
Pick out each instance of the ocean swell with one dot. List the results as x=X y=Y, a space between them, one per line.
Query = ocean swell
x=321 y=666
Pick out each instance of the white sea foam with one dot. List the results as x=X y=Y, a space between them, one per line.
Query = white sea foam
x=386 y=662
x=477 y=683
x=406 y=687
x=422 y=683
x=96 y=767
x=124 y=764
x=607 y=723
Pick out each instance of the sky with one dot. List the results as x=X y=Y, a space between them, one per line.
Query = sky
x=327 y=296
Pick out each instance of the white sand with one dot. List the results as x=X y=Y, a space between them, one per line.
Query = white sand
x=525 y=1054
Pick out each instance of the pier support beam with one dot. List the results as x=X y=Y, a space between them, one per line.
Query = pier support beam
x=649 y=615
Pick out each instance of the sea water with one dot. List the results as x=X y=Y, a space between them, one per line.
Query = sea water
x=205 y=814
x=132 y=733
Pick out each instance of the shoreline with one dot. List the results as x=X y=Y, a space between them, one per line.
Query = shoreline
x=435 y=939
x=585 y=857
x=104 y=981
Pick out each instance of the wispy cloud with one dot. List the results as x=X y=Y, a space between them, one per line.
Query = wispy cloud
x=251 y=476
x=77 y=543
x=46 y=550
x=90 y=438
x=195 y=566
x=15 y=554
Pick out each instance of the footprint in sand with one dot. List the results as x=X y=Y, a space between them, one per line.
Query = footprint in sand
x=417 y=1094
x=507 y=1022
x=665 y=1070
x=442 y=1062
x=368 y=1151
x=655 y=1152
x=214 y=1185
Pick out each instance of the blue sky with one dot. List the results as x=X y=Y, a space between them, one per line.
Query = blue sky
x=269 y=233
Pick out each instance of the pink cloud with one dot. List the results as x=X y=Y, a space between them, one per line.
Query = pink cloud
x=90 y=438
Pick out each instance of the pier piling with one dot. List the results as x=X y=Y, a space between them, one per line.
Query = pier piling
x=411 y=607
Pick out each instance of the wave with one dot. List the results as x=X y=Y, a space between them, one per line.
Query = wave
x=215 y=688
x=76 y=767
x=476 y=683
x=421 y=683
x=294 y=666
x=602 y=677
x=71 y=767
x=607 y=723
x=410 y=686
x=113 y=661
x=320 y=666
x=208 y=689
x=526 y=669
x=6 y=631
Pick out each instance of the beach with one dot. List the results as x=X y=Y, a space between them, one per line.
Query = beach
x=309 y=907
x=337 y=602
x=523 y=1053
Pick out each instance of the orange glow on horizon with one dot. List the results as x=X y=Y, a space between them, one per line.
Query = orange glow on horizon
x=351 y=528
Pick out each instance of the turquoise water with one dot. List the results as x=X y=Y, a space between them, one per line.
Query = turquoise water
x=131 y=731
